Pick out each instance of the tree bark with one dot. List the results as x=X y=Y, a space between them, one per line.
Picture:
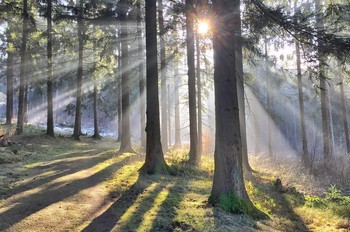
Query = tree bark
x=163 y=79
x=345 y=120
x=327 y=152
x=50 y=127
x=177 y=100
x=22 y=78
x=154 y=162
x=228 y=173
x=96 y=130
x=141 y=76
x=268 y=105
x=77 y=122
x=125 y=143
x=193 y=154
x=199 y=97
x=119 y=91
x=9 y=79
x=304 y=155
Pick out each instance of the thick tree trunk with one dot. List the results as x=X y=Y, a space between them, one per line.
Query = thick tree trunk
x=163 y=79
x=141 y=76
x=125 y=143
x=228 y=173
x=154 y=162
x=345 y=120
x=22 y=78
x=9 y=83
x=304 y=155
x=77 y=122
x=193 y=154
x=199 y=97
x=50 y=128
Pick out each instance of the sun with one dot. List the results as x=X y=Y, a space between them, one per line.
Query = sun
x=203 y=27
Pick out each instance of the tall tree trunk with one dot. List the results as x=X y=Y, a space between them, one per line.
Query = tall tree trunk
x=228 y=174
x=345 y=120
x=163 y=78
x=256 y=121
x=50 y=128
x=327 y=152
x=177 y=100
x=9 y=79
x=119 y=91
x=241 y=103
x=22 y=78
x=304 y=155
x=193 y=154
x=125 y=143
x=154 y=162
x=169 y=113
x=96 y=131
x=268 y=105
x=77 y=123
x=199 y=97
x=141 y=75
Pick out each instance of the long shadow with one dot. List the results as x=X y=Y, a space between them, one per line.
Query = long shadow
x=60 y=169
x=109 y=219
x=167 y=211
x=27 y=206
x=283 y=207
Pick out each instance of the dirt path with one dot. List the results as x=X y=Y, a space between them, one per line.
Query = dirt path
x=67 y=186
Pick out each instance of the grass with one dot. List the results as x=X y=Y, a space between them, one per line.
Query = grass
x=105 y=191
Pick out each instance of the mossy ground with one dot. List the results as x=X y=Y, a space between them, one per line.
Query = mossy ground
x=64 y=185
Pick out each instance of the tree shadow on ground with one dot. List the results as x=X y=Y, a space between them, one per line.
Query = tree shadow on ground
x=284 y=200
x=109 y=219
x=58 y=169
x=27 y=205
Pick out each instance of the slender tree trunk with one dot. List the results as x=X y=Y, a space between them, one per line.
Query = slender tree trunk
x=268 y=106
x=327 y=152
x=50 y=127
x=256 y=122
x=169 y=113
x=22 y=78
x=154 y=162
x=241 y=103
x=119 y=92
x=163 y=78
x=77 y=123
x=96 y=131
x=345 y=120
x=141 y=75
x=193 y=154
x=177 y=102
x=305 y=155
x=228 y=174
x=125 y=143
x=199 y=97
x=9 y=82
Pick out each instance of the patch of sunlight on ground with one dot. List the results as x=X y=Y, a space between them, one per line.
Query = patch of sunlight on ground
x=151 y=214
x=65 y=160
x=322 y=219
x=132 y=215
x=90 y=171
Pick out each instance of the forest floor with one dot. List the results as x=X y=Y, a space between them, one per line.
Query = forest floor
x=57 y=184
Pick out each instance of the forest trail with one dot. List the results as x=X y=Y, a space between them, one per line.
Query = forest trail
x=65 y=185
